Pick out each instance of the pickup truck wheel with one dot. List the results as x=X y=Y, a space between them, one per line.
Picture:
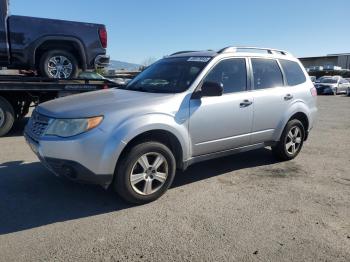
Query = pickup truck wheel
x=7 y=116
x=59 y=64
x=145 y=173
x=291 y=141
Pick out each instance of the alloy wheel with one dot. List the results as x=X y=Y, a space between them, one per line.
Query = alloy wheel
x=59 y=67
x=293 y=140
x=149 y=173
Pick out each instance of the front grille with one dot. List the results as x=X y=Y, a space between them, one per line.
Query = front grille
x=37 y=126
x=323 y=87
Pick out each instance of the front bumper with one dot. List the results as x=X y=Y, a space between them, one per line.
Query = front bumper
x=325 y=90
x=70 y=169
x=102 y=61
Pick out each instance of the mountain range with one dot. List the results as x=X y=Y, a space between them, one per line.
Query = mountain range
x=119 y=65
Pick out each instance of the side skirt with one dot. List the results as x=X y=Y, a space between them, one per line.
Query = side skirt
x=206 y=157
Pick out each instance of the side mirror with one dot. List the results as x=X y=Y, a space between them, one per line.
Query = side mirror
x=210 y=89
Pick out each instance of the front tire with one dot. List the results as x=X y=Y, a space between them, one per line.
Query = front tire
x=7 y=116
x=58 y=64
x=145 y=173
x=291 y=141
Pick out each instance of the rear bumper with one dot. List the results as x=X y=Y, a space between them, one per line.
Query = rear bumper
x=102 y=61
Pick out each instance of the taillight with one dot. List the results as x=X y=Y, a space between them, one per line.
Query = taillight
x=313 y=91
x=103 y=37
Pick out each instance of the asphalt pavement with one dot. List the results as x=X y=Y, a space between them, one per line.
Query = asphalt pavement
x=246 y=207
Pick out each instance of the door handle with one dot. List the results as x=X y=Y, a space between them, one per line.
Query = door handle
x=245 y=103
x=288 y=97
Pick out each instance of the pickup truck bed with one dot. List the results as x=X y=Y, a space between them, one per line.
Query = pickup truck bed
x=51 y=47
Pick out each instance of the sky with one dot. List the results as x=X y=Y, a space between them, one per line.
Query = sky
x=139 y=30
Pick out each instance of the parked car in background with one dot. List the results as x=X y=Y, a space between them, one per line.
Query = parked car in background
x=54 y=48
x=314 y=68
x=313 y=79
x=348 y=91
x=90 y=75
x=121 y=81
x=97 y=76
x=332 y=67
x=319 y=80
x=332 y=85
x=183 y=109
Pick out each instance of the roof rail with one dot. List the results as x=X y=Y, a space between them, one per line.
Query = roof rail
x=182 y=52
x=235 y=49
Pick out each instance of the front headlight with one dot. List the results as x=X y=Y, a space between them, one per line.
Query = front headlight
x=72 y=127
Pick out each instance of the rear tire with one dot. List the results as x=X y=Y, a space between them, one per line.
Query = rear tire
x=291 y=141
x=145 y=173
x=58 y=64
x=7 y=116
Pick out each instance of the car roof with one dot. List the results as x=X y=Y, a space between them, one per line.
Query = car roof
x=194 y=53
x=237 y=51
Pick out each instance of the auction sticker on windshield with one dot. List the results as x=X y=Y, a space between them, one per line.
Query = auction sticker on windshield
x=199 y=59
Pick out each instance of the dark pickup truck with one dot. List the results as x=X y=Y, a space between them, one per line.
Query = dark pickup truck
x=53 y=48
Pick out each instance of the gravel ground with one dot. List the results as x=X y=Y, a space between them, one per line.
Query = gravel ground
x=245 y=207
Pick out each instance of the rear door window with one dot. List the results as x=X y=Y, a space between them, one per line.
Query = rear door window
x=266 y=73
x=293 y=72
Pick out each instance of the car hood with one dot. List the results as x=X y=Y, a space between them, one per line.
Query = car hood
x=101 y=103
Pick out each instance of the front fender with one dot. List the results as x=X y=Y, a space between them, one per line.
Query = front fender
x=297 y=107
x=126 y=131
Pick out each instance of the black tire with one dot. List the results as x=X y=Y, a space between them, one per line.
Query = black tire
x=122 y=184
x=279 y=150
x=45 y=60
x=7 y=116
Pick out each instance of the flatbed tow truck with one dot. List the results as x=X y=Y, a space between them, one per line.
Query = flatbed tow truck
x=18 y=93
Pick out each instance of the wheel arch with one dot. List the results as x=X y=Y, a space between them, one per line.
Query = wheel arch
x=156 y=127
x=70 y=44
x=302 y=117
x=298 y=111
x=157 y=135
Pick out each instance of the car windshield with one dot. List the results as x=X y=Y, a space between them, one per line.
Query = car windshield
x=169 y=75
x=329 y=81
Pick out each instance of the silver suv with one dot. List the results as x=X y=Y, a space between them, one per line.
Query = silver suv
x=183 y=109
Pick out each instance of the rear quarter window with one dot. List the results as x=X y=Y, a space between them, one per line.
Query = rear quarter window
x=293 y=72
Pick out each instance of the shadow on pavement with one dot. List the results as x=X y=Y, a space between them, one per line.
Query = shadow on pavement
x=216 y=167
x=31 y=197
